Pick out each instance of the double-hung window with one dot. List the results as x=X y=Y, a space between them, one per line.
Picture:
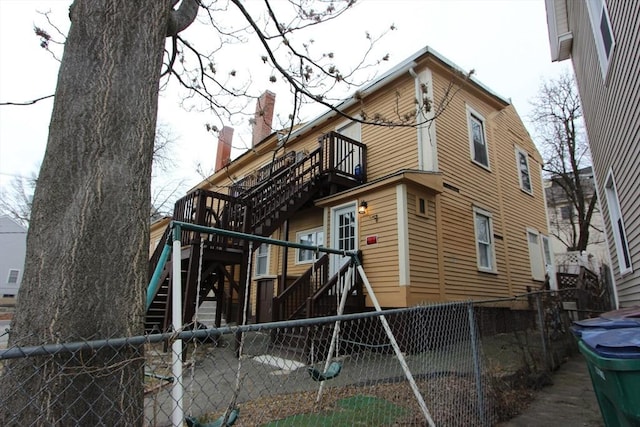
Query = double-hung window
x=602 y=33
x=12 y=279
x=262 y=260
x=484 y=240
x=537 y=254
x=477 y=138
x=522 y=162
x=566 y=212
x=313 y=237
x=617 y=226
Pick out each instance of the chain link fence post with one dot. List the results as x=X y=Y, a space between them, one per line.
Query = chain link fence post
x=543 y=337
x=477 y=363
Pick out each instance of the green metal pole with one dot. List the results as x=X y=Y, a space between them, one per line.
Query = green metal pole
x=152 y=289
x=238 y=235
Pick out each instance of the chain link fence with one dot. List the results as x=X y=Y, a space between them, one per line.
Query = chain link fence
x=471 y=363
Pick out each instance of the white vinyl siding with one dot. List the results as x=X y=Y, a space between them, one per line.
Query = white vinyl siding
x=617 y=226
x=484 y=240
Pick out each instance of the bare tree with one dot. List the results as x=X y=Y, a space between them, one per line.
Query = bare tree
x=87 y=246
x=15 y=201
x=557 y=115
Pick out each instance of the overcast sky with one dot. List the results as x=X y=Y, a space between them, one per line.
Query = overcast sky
x=504 y=41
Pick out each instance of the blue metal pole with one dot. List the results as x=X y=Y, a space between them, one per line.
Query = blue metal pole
x=155 y=279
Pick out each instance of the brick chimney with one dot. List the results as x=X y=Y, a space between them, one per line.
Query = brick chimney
x=263 y=117
x=223 y=156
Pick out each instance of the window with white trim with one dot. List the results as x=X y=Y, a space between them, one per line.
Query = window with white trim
x=522 y=163
x=566 y=212
x=484 y=240
x=546 y=250
x=536 y=255
x=262 y=260
x=617 y=226
x=477 y=138
x=314 y=237
x=12 y=279
x=602 y=33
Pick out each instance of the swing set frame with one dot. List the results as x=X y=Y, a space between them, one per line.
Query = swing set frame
x=174 y=244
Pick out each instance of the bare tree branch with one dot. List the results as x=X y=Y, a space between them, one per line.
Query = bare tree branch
x=33 y=101
x=557 y=115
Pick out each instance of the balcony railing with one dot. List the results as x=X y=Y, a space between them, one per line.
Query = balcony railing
x=344 y=157
x=211 y=209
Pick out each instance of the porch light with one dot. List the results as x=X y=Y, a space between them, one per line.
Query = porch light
x=362 y=209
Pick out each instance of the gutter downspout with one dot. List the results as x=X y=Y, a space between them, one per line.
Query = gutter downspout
x=418 y=117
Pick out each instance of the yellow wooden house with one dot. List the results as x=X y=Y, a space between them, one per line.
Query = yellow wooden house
x=452 y=209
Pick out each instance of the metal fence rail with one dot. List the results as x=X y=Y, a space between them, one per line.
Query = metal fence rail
x=458 y=353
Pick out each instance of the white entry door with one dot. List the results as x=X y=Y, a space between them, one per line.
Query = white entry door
x=343 y=234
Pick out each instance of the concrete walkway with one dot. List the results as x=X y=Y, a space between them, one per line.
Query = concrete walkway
x=569 y=402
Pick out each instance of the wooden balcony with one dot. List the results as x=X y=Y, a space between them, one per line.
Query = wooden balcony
x=258 y=204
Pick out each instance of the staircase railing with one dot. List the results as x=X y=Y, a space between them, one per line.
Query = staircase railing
x=281 y=189
x=292 y=301
x=336 y=155
x=324 y=301
x=314 y=294
x=260 y=202
x=344 y=157
x=264 y=173
x=212 y=209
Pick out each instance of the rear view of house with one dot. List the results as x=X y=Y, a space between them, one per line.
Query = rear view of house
x=449 y=209
x=13 y=245
x=602 y=37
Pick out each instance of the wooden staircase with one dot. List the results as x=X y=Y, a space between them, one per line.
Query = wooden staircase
x=313 y=295
x=258 y=204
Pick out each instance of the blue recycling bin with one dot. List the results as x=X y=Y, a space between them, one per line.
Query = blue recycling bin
x=611 y=346
x=618 y=319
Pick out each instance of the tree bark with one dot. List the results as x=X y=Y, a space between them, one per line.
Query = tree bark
x=87 y=247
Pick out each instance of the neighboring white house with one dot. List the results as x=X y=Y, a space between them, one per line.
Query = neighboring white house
x=13 y=248
x=563 y=227
x=601 y=39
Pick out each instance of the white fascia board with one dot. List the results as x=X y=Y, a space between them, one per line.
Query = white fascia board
x=560 y=39
x=390 y=75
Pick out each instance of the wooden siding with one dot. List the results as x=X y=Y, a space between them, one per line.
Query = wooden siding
x=612 y=117
x=382 y=141
x=306 y=220
x=496 y=190
x=156 y=230
x=442 y=253
x=380 y=261
x=423 y=248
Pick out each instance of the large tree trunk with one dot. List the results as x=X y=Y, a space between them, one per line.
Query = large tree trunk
x=87 y=247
